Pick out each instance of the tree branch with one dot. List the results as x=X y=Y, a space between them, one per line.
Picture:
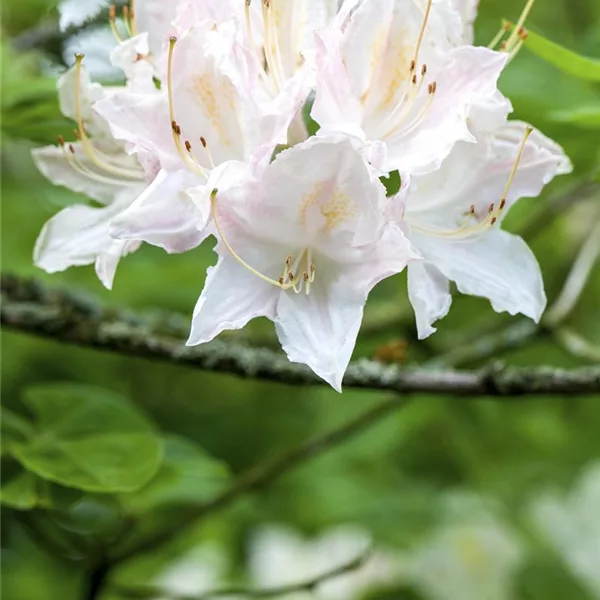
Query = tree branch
x=29 y=307
x=272 y=592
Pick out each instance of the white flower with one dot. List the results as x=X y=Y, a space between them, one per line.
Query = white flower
x=280 y=556
x=97 y=166
x=204 y=130
x=472 y=561
x=571 y=524
x=77 y=12
x=392 y=78
x=453 y=218
x=302 y=246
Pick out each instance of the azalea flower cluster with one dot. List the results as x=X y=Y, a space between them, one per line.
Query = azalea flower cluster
x=209 y=136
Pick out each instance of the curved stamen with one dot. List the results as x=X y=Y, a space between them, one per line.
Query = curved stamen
x=189 y=160
x=512 y=39
x=112 y=19
x=498 y=37
x=91 y=152
x=422 y=32
x=494 y=210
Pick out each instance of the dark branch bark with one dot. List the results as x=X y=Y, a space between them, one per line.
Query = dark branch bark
x=29 y=307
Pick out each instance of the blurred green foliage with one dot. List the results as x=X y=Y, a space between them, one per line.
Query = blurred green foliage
x=206 y=427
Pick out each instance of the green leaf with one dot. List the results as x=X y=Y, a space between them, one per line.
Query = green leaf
x=587 y=117
x=89 y=438
x=187 y=476
x=566 y=60
x=14 y=428
x=21 y=491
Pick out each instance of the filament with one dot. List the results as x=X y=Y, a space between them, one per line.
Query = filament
x=92 y=153
x=186 y=155
x=494 y=210
x=515 y=32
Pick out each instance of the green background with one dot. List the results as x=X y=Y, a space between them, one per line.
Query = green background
x=390 y=479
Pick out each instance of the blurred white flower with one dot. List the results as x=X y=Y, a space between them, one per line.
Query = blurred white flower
x=571 y=524
x=96 y=43
x=281 y=556
x=77 y=12
x=202 y=570
x=468 y=561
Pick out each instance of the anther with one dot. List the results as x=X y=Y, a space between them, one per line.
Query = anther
x=61 y=140
x=472 y=209
x=493 y=221
x=203 y=141
x=71 y=149
x=412 y=65
x=423 y=70
x=491 y=208
x=188 y=146
x=502 y=203
x=414 y=80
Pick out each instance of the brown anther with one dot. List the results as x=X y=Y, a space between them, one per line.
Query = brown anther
x=174 y=125
x=139 y=57
x=491 y=208
x=432 y=87
x=288 y=261
x=76 y=134
x=412 y=66
x=506 y=25
x=493 y=221
x=248 y=3
x=502 y=203
x=472 y=209
x=291 y=276
x=203 y=141
x=312 y=267
x=503 y=46
x=61 y=140
x=281 y=281
x=423 y=70
x=306 y=276
x=414 y=80
x=71 y=149
x=188 y=146
x=523 y=34
x=177 y=130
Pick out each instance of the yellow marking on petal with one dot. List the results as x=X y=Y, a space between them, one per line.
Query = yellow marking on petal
x=203 y=89
x=338 y=207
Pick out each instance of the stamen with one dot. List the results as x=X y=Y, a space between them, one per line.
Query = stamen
x=280 y=283
x=519 y=26
x=494 y=210
x=272 y=44
x=112 y=19
x=498 y=37
x=126 y=20
x=132 y=15
x=187 y=157
x=523 y=33
x=208 y=152
x=95 y=156
x=422 y=33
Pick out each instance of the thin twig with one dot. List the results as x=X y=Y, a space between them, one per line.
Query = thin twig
x=577 y=279
x=263 y=476
x=63 y=316
x=271 y=592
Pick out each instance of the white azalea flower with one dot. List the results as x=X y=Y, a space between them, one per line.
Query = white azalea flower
x=302 y=246
x=453 y=218
x=393 y=79
x=97 y=166
x=571 y=524
x=280 y=556
x=204 y=130
x=76 y=12
x=470 y=561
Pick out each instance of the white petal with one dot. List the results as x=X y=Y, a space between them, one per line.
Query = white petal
x=467 y=76
x=107 y=261
x=132 y=56
x=76 y=236
x=154 y=17
x=164 y=215
x=429 y=294
x=53 y=164
x=498 y=266
x=232 y=296
x=320 y=329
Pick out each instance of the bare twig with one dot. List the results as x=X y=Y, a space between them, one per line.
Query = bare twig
x=577 y=279
x=63 y=316
x=272 y=592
